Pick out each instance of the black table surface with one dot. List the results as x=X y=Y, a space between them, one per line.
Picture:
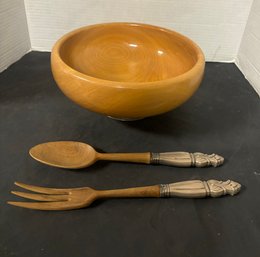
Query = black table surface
x=222 y=117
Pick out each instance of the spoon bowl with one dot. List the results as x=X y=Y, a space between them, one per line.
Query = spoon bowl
x=65 y=154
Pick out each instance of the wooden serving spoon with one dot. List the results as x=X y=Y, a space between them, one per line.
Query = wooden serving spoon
x=76 y=155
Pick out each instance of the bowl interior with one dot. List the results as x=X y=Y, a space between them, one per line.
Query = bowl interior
x=128 y=52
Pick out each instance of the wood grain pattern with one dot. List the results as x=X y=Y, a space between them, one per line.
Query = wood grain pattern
x=64 y=154
x=76 y=198
x=76 y=155
x=127 y=70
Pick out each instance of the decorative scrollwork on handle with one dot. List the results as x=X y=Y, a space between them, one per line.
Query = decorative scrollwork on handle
x=200 y=189
x=185 y=159
x=218 y=188
x=204 y=160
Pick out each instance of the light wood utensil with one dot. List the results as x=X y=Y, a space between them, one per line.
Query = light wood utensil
x=76 y=155
x=76 y=198
x=127 y=71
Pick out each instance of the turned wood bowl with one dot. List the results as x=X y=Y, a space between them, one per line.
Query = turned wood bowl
x=127 y=70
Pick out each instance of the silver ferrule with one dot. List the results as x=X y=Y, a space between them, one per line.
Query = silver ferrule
x=165 y=190
x=155 y=158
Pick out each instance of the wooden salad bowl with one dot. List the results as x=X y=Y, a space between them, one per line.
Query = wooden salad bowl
x=127 y=70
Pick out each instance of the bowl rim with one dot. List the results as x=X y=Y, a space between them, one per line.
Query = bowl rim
x=177 y=79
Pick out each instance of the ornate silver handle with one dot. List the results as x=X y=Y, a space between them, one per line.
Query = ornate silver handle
x=200 y=189
x=185 y=159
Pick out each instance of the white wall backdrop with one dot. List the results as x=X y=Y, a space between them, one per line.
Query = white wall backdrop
x=14 y=37
x=248 y=58
x=226 y=30
x=217 y=26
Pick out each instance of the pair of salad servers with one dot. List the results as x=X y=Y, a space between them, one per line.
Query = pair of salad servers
x=77 y=155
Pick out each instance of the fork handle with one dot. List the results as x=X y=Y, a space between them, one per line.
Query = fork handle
x=184 y=189
x=147 y=191
x=200 y=189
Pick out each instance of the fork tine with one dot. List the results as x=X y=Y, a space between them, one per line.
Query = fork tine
x=51 y=206
x=44 y=190
x=41 y=197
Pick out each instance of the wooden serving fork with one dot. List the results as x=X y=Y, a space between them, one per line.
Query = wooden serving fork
x=76 y=198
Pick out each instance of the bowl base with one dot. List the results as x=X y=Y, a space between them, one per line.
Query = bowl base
x=125 y=119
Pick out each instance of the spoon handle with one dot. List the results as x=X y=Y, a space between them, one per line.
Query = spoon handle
x=177 y=159
x=184 y=189
x=185 y=159
x=126 y=157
